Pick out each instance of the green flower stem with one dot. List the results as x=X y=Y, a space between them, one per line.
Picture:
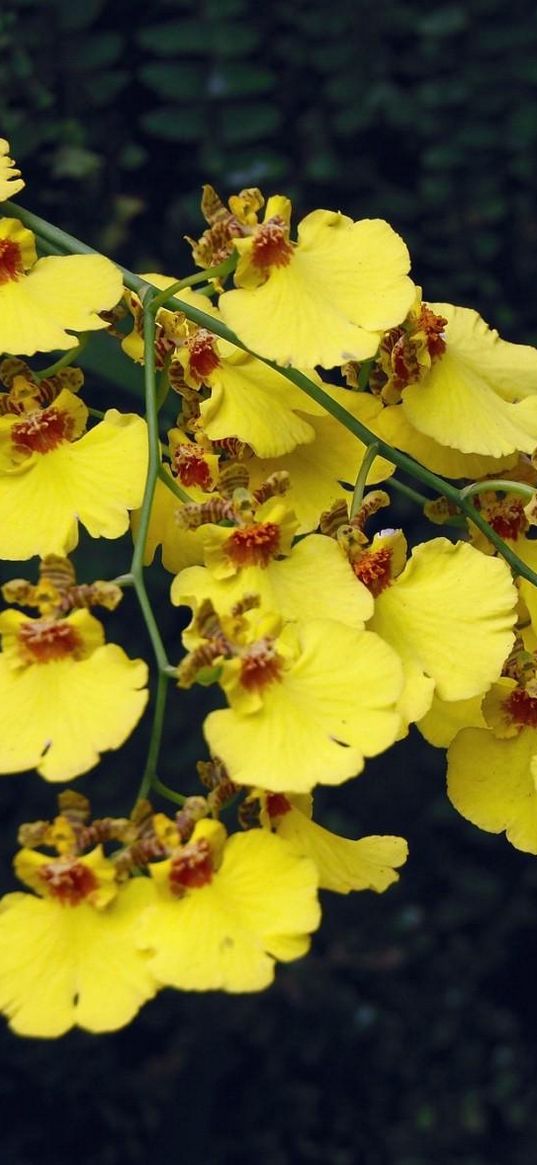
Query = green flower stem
x=402 y=488
x=95 y=413
x=165 y=791
x=48 y=249
x=223 y=269
x=508 y=487
x=123 y=580
x=68 y=358
x=173 y=487
x=361 y=478
x=137 y=564
x=163 y=387
x=62 y=240
x=153 y=751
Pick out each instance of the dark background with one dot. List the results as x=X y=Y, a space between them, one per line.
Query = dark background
x=409 y=1036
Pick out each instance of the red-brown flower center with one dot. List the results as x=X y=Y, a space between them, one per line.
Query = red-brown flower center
x=11 y=266
x=521 y=708
x=191 y=467
x=507 y=517
x=253 y=545
x=404 y=360
x=192 y=867
x=271 y=247
x=42 y=431
x=260 y=666
x=203 y=358
x=374 y=570
x=433 y=326
x=277 y=805
x=44 y=640
x=68 y=880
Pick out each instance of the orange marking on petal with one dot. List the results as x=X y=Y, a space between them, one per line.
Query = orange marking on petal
x=191 y=467
x=260 y=666
x=69 y=881
x=202 y=355
x=433 y=326
x=253 y=545
x=271 y=246
x=374 y=570
x=507 y=518
x=277 y=805
x=42 y=431
x=44 y=640
x=521 y=708
x=191 y=868
x=11 y=265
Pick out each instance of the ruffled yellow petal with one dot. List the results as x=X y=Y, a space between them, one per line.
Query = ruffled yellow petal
x=315 y=582
x=344 y=865
x=450 y=614
x=60 y=294
x=95 y=480
x=256 y=404
x=393 y=425
x=446 y=718
x=335 y=455
x=468 y=400
x=345 y=283
x=318 y=723
x=10 y=178
x=509 y=369
x=261 y=905
x=63 y=966
x=493 y=783
x=60 y=715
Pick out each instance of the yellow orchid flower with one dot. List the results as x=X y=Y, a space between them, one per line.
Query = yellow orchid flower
x=10 y=178
x=449 y=616
x=225 y=909
x=68 y=954
x=477 y=394
x=53 y=475
x=369 y=863
x=314 y=581
x=296 y=717
x=65 y=695
x=323 y=300
x=42 y=301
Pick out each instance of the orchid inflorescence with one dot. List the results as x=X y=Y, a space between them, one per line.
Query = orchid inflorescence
x=311 y=380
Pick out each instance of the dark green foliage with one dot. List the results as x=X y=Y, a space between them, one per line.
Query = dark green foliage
x=426 y=116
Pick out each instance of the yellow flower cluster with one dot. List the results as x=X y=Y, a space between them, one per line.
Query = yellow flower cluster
x=322 y=634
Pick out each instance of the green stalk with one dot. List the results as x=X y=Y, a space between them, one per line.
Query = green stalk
x=165 y=791
x=508 y=487
x=67 y=242
x=220 y=271
x=68 y=358
x=173 y=487
x=137 y=564
x=149 y=775
x=406 y=490
x=361 y=479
